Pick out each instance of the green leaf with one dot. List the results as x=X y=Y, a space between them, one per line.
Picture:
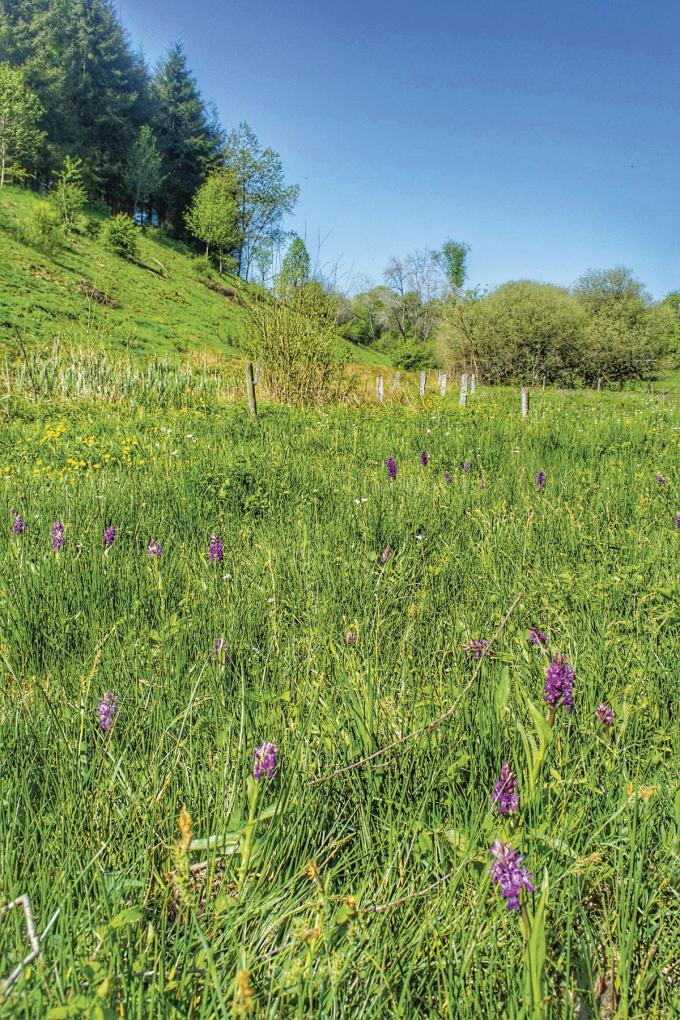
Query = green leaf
x=133 y=915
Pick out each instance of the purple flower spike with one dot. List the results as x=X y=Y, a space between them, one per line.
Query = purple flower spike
x=386 y=555
x=559 y=683
x=391 y=465
x=108 y=710
x=221 y=651
x=660 y=480
x=18 y=524
x=447 y=477
x=108 y=536
x=155 y=551
x=476 y=647
x=540 y=481
x=265 y=761
x=216 y=549
x=538 y=638
x=424 y=459
x=505 y=793
x=351 y=638
x=677 y=520
x=605 y=714
x=57 y=536
x=508 y=873
x=466 y=466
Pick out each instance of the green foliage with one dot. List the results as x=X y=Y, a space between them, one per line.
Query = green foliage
x=522 y=331
x=452 y=259
x=143 y=174
x=69 y=193
x=20 y=115
x=294 y=340
x=211 y=216
x=261 y=196
x=43 y=229
x=296 y=264
x=119 y=235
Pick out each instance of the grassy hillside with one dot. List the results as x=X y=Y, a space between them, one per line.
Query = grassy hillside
x=157 y=306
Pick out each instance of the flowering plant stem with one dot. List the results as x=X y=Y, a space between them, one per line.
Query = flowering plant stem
x=533 y=930
x=249 y=833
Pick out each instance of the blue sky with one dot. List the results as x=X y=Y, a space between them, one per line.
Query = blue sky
x=545 y=135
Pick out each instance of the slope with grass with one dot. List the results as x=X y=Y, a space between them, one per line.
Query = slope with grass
x=166 y=303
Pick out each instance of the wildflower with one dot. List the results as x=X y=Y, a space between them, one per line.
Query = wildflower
x=559 y=683
x=57 y=536
x=18 y=524
x=391 y=465
x=265 y=760
x=351 y=638
x=538 y=638
x=660 y=480
x=221 y=651
x=466 y=466
x=476 y=647
x=424 y=459
x=540 y=481
x=505 y=794
x=386 y=555
x=447 y=477
x=108 y=710
x=154 y=550
x=216 y=549
x=677 y=520
x=508 y=873
x=108 y=536
x=482 y=483
x=605 y=714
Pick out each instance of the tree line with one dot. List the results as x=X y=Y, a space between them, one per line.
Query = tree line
x=145 y=142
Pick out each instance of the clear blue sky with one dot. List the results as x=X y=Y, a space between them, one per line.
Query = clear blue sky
x=544 y=134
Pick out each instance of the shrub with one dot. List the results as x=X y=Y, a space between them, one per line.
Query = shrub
x=119 y=235
x=43 y=229
x=69 y=193
x=295 y=342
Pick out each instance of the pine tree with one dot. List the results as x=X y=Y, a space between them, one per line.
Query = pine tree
x=188 y=138
x=20 y=114
x=143 y=174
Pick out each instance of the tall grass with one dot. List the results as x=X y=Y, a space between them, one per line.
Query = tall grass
x=367 y=895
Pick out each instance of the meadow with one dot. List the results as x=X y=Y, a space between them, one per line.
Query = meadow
x=338 y=613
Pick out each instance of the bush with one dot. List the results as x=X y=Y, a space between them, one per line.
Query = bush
x=119 y=236
x=294 y=340
x=43 y=229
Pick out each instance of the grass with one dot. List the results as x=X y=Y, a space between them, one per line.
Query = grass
x=162 y=308
x=367 y=895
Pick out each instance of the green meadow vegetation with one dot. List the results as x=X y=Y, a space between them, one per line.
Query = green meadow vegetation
x=335 y=626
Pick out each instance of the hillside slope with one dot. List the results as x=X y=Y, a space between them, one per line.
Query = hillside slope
x=84 y=294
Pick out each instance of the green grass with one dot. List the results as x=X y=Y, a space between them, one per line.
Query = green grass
x=162 y=307
x=89 y=823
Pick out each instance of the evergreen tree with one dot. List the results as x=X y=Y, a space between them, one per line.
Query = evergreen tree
x=189 y=140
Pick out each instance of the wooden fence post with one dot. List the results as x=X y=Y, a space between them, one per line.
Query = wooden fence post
x=442 y=384
x=463 y=389
x=525 y=402
x=473 y=383
x=395 y=382
x=423 y=381
x=250 y=389
x=379 y=388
